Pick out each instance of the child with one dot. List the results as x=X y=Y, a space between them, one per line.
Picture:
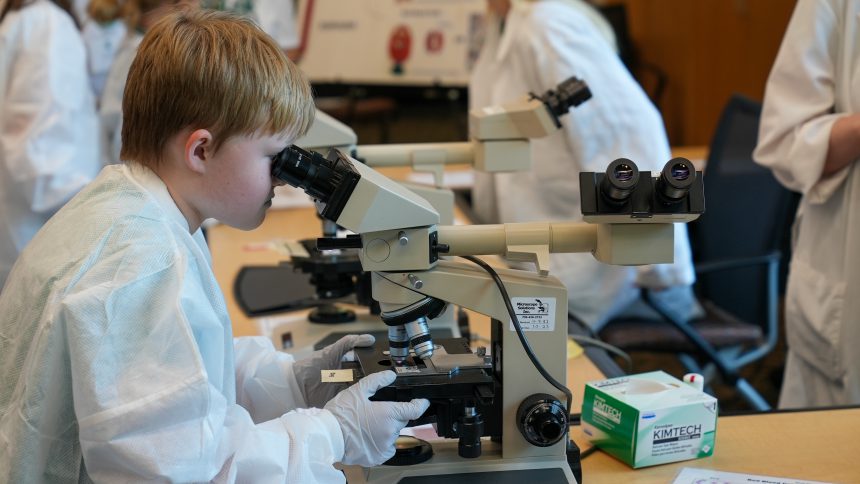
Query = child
x=117 y=361
x=137 y=16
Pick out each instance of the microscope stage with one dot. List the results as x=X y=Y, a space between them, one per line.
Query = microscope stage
x=452 y=372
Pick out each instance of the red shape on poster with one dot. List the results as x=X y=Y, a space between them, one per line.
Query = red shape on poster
x=399 y=44
x=434 y=41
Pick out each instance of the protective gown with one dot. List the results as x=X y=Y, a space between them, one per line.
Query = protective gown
x=542 y=44
x=102 y=42
x=117 y=361
x=815 y=80
x=48 y=126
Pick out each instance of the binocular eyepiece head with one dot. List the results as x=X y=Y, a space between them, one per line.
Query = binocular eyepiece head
x=673 y=184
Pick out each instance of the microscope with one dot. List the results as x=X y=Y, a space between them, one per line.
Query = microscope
x=504 y=410
x=498 y=141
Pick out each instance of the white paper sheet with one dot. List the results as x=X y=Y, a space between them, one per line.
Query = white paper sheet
x=691 y=475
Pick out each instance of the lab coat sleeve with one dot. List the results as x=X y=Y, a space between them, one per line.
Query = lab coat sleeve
x=146 y=408
x=49 y=133
x=798 y=111
x=565 y=43
x=265 y=383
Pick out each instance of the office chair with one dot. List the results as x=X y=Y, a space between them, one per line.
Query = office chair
x=737 y=253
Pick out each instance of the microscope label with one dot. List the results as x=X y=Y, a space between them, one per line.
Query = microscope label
x=534 y=313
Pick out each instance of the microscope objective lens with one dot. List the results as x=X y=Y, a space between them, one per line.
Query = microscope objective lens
x=398 y=343
x=419 y=336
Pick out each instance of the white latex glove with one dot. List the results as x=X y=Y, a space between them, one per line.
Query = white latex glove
x=370 y=428
x=308 y=369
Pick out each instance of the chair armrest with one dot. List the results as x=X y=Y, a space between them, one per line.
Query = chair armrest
x=736 y=263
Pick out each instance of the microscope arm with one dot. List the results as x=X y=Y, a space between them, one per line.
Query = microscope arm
x=499 y=140
x=499 y=135
x=618 y=244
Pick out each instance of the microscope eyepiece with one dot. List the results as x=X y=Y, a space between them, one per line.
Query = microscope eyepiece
x=570 y=93
x=622 y=176
x=675 y=180
x=329 y=180
x=307 y=170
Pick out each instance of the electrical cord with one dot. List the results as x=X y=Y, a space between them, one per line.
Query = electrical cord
x=586 y=341
x=519 y=330
x=592 y=339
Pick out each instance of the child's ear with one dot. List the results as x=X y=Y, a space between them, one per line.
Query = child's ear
x=198 y=150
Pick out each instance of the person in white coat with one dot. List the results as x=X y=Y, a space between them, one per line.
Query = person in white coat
x=810 y=137
x=138 y=16
x=117 y=360
x=275 y=17
x=532 y=47
x=48 y=126
x=103 y=33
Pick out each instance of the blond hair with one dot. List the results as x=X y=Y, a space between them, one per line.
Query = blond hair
x=210 y=70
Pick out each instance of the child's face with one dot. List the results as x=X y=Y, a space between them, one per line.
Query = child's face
x=240 y=186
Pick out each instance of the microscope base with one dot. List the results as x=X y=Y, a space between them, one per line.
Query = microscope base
x=447 y=467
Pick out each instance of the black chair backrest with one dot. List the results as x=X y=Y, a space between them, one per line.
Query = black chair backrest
x=747 y=213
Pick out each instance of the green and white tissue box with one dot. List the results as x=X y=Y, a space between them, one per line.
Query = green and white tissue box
x=649 y=419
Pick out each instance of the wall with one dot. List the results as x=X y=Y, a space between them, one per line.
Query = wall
x=708 y=50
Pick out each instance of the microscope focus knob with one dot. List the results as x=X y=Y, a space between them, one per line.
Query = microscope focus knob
x=542 y=419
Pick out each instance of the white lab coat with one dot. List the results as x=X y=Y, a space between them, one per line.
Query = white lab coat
x=815 y=80
x=542 y=44
x=102 y=42
x=48 y=126
x=117 y=361
x=110 y=105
